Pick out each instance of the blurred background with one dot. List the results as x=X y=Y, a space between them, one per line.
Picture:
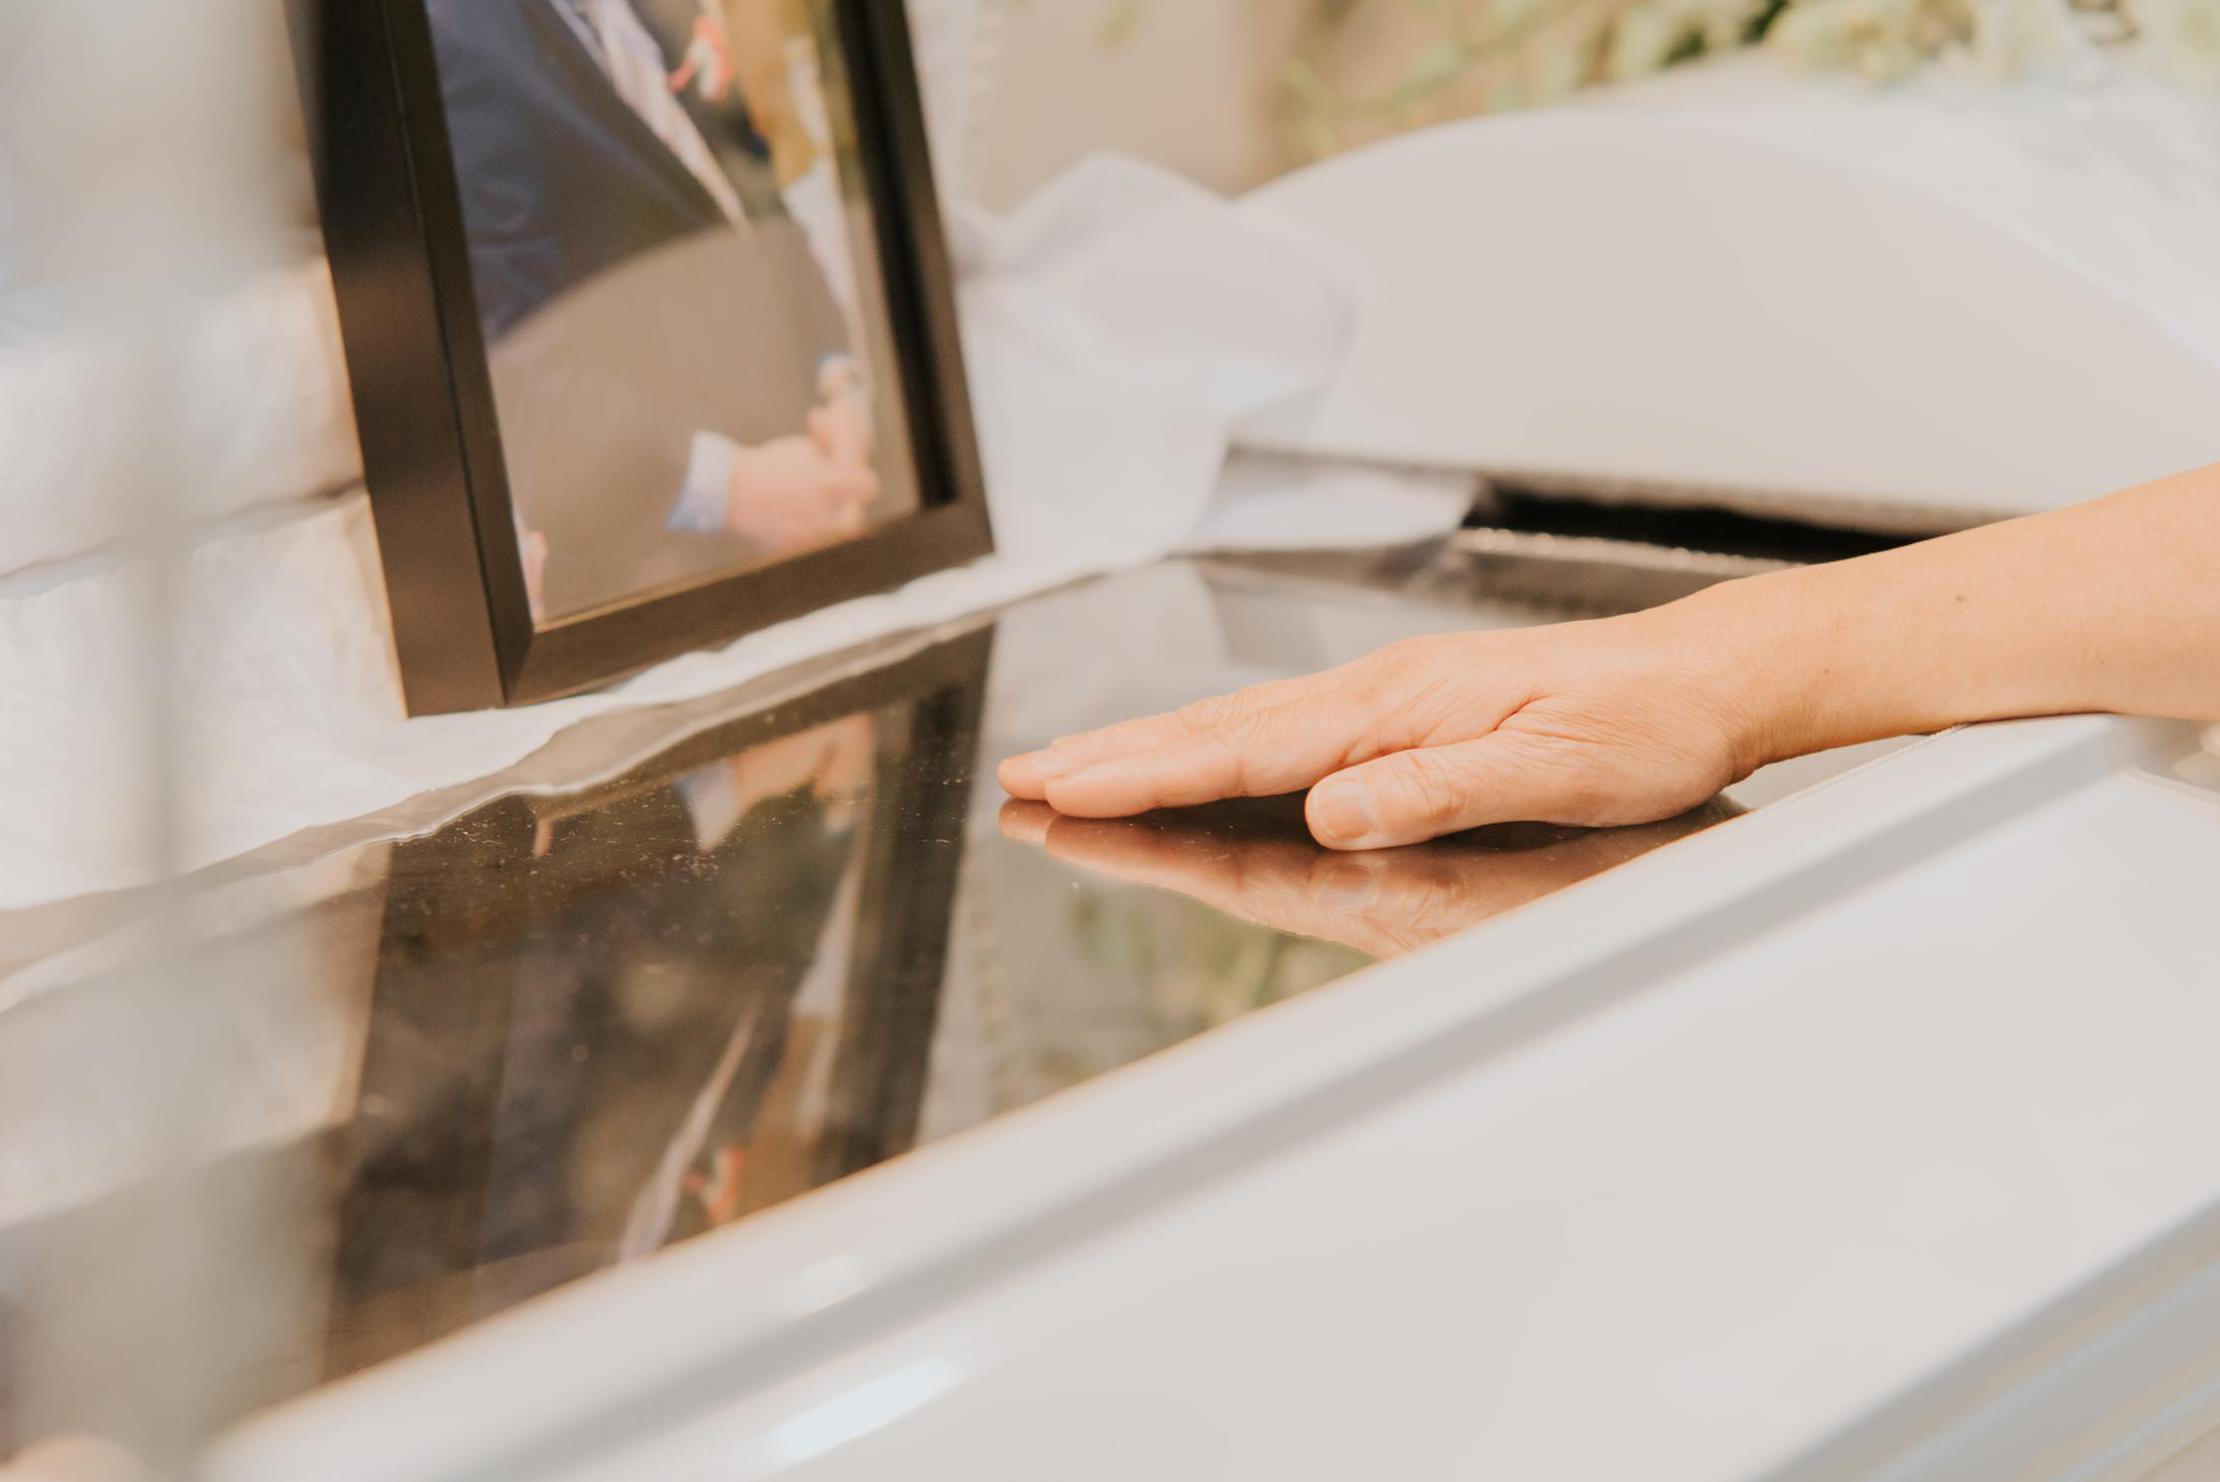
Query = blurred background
x=157 y=247
x=1235 y=92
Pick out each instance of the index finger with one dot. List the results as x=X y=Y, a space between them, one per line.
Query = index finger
x=1257 y=742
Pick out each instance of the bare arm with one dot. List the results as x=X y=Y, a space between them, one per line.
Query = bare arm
x=2111 y=606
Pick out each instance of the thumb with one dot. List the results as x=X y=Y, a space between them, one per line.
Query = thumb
x=1409 y=797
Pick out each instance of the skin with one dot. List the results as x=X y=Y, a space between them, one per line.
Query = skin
x=792 y=493
x=788 y=495
x=2112 y=606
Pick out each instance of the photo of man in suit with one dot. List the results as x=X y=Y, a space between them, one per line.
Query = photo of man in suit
x=658 y=243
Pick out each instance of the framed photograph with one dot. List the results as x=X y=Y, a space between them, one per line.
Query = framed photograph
x=649 y=320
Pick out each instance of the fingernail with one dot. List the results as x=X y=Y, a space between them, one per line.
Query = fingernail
x=1342 y=814
x=1033 y=770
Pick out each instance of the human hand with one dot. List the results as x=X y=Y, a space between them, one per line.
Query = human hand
x=1615 y=721
x=841 y=426
x=789 y=494
x=1384 y=903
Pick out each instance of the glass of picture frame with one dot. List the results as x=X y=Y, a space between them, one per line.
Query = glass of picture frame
x=649 y=322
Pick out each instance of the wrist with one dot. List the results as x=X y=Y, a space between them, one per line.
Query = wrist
x=1780 y=662
x=1817 y=657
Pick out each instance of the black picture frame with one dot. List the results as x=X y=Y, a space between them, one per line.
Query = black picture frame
x=416 y=358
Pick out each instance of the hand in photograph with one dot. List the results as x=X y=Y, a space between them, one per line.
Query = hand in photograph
x=791 y=494
x=1383 y=904
x=842 y=424
x=842 y=429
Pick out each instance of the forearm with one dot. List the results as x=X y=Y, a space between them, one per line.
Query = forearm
x=2111 y=606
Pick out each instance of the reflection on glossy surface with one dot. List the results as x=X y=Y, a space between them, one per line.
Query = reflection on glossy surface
x=610 y=1021
x=1255 y=861
x=576 y=1025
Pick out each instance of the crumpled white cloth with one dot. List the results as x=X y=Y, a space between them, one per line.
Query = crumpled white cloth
x=1116 y=327
x=1268 y=502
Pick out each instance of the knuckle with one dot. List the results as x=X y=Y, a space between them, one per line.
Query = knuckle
x=1423 y=690
x=1204 y=717
x=1239 y=716
x=1556 y=774
x=1431 y=793
x=1405 y=654
x=1223 y=766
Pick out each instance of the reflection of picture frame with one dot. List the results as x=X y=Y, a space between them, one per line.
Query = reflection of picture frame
x=510 y=1117
x=465 y=562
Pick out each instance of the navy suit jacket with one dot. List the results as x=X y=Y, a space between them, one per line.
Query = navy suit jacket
x=560 y=179
x=623 y=313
